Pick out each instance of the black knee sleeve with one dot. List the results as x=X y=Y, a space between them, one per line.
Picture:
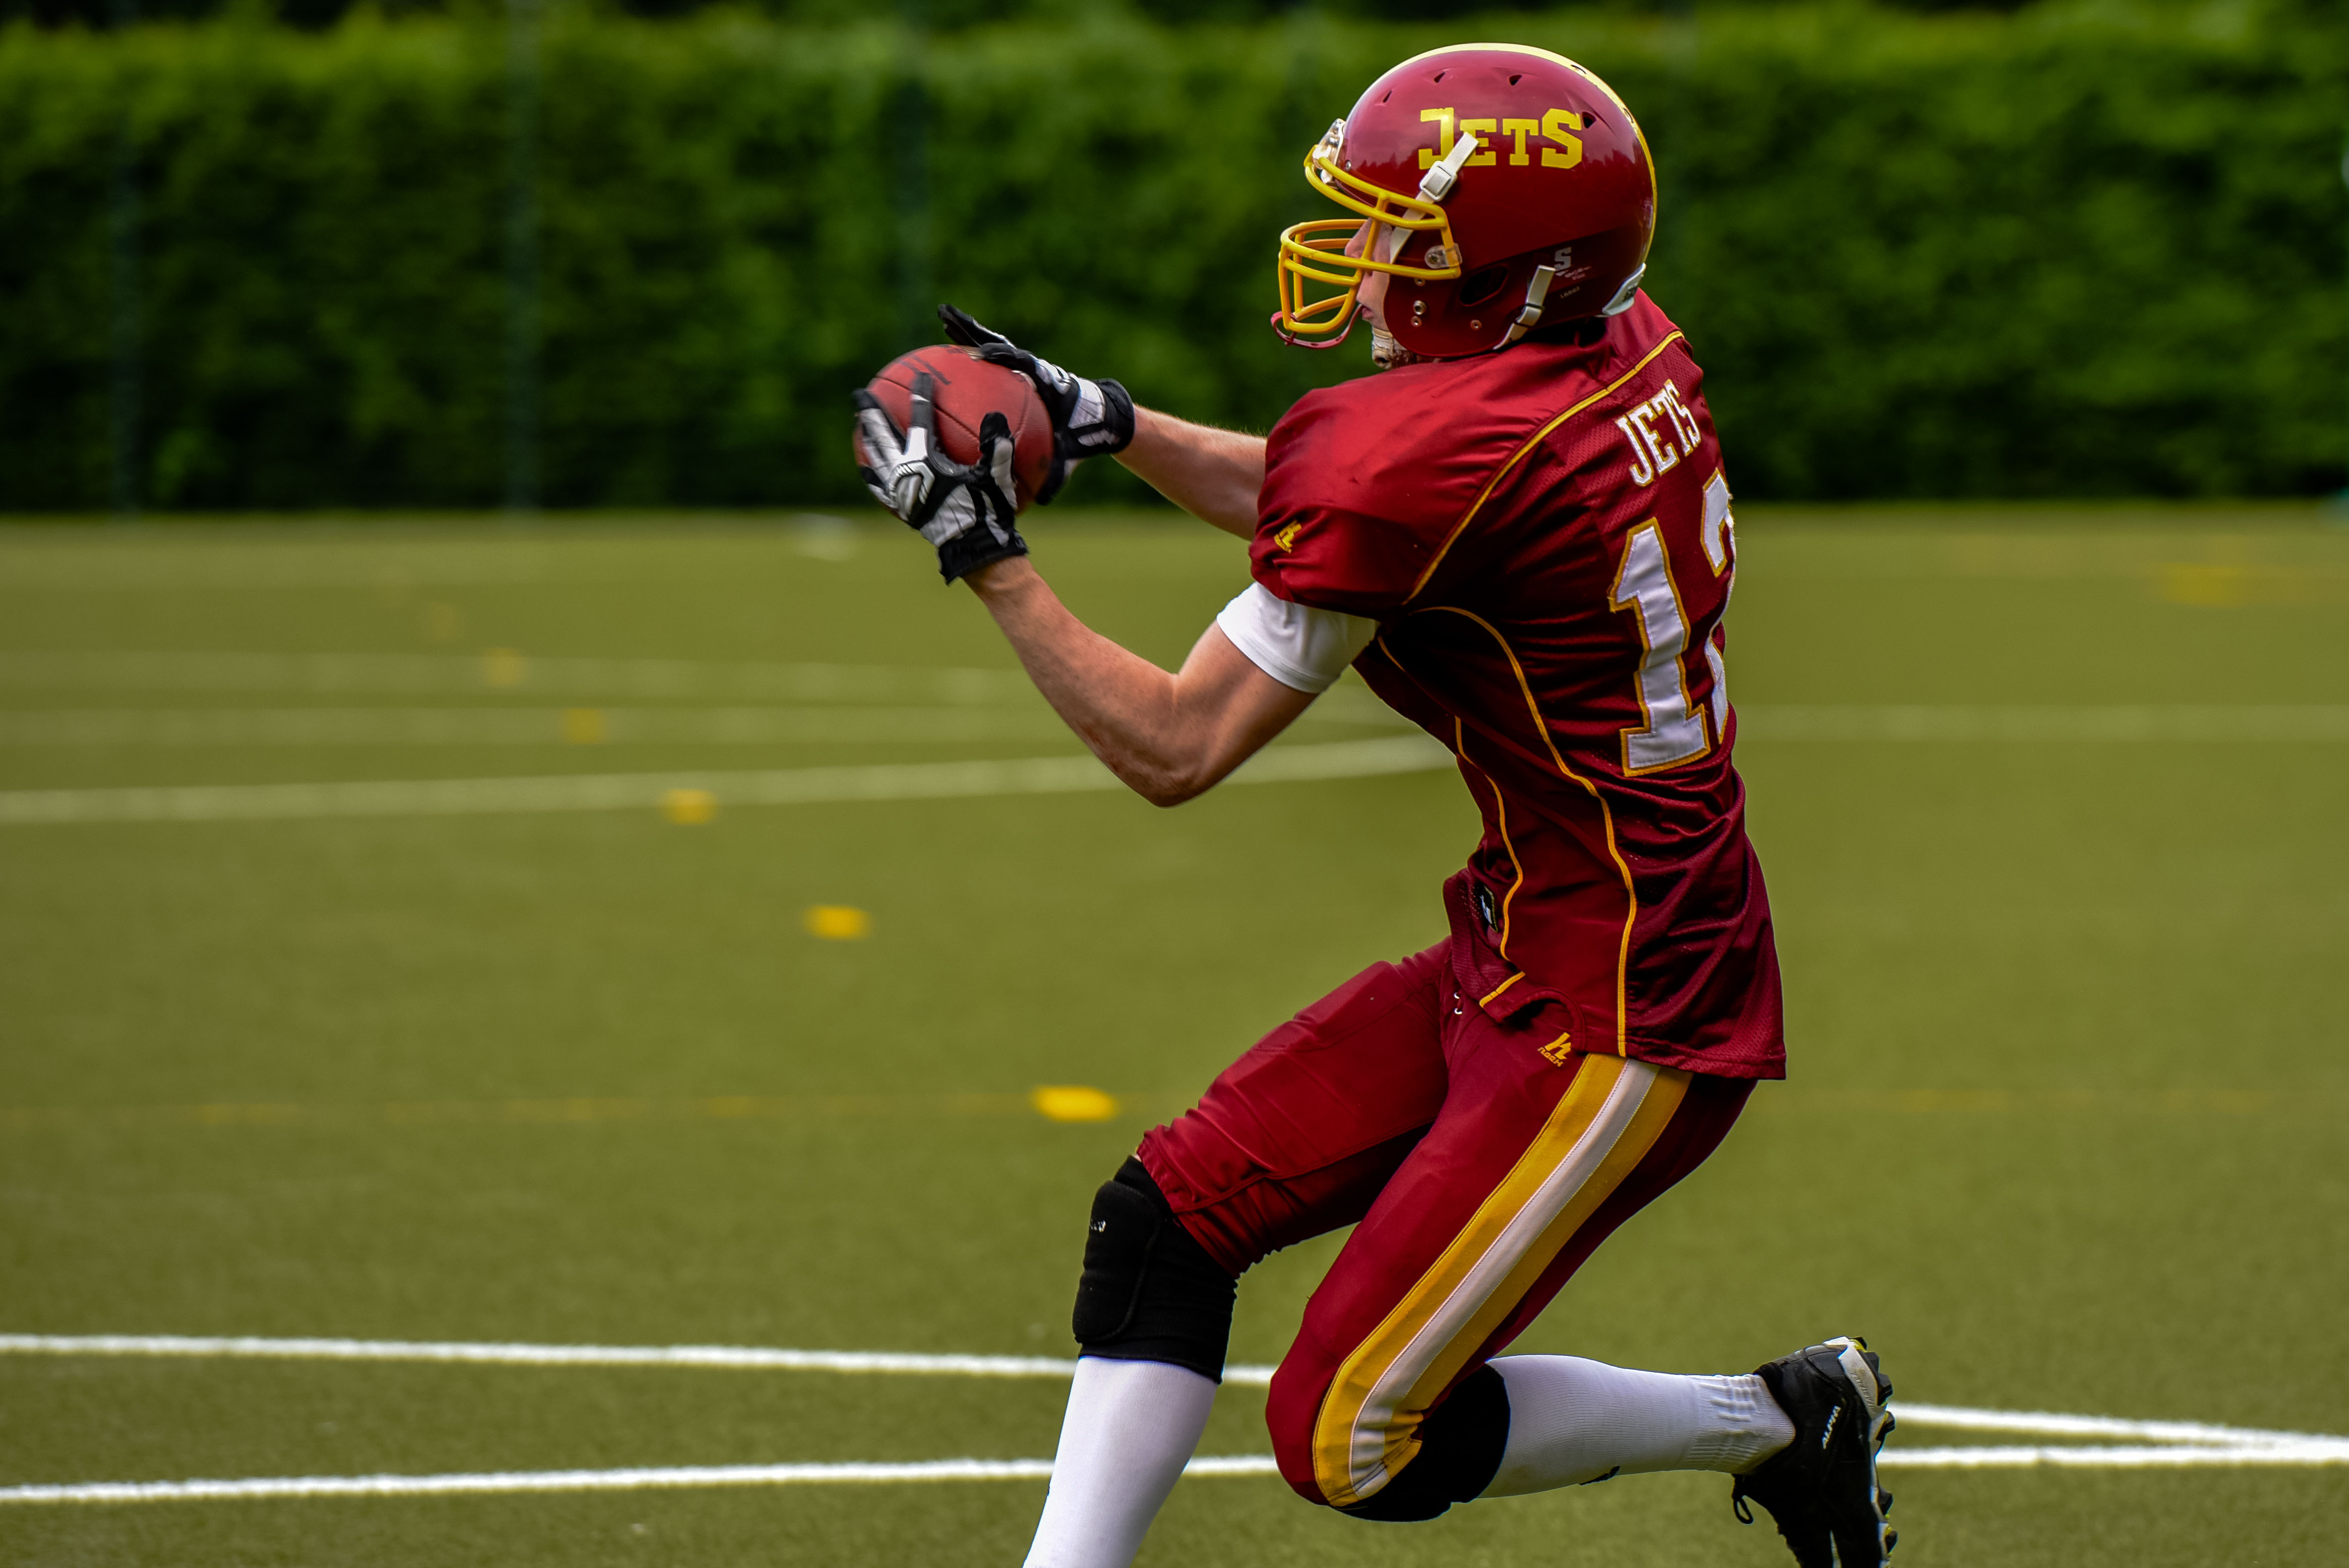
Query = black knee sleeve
x=1460 y=1445
x=1150 y=1290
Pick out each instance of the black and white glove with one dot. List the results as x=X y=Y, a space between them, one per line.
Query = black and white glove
x=1090 y=418
x=964 y=510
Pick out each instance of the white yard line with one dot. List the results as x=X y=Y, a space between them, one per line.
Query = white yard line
x=2168 y=1445
x=647 y=791
x=501 y=1355
x=508 y=673
x=942 y=781
x=642 y=1480
x=499 y=726
x=2189 y=1437
x=2049 y=1424
x=2152 y=1456
x=925 y=780
x=506 y=670
x=568 y=729
x=528 y=1481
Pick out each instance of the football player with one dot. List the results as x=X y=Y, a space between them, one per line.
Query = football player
x=1519 y=533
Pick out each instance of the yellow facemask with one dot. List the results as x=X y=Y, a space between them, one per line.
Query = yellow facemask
x=1319 y=281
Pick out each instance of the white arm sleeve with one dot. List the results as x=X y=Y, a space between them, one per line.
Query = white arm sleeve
x=1295 y=644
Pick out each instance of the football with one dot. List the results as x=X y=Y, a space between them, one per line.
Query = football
x=967 y=390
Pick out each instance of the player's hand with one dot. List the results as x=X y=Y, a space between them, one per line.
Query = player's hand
x=964 y=510
x=1090 y=418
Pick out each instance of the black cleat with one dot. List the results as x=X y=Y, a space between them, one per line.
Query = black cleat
x=1821 y=1488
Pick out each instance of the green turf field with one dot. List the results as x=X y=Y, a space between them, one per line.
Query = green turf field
x=2051 y=802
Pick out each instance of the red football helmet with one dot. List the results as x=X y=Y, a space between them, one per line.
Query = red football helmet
x=1502 y=185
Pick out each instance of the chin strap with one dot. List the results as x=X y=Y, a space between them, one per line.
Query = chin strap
x=1386 y=353
x=1537 y=292
x=1437 y=182
x=1626 y=293
x=1530 y=317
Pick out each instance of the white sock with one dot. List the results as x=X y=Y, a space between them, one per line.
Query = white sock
x=1572 y=1420
x=1131 y=1428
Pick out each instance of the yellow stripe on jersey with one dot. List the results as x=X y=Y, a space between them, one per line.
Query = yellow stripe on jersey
x=1604 y=1125
x=1501 y=820
x=1606 y=816
x=1518 y=456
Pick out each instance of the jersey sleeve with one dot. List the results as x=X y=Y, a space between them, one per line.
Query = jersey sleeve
x=1301 y=648
x=1365 y=485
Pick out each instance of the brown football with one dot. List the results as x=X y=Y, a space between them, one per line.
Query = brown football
x=964 y=391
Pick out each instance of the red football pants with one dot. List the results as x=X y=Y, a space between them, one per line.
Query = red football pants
x=1482 y=1173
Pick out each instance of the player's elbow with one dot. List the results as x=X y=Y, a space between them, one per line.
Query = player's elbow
x=1170 y=781
x=1178 y=764
x=1168 y=787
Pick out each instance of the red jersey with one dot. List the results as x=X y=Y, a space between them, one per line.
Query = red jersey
x=1543 y=536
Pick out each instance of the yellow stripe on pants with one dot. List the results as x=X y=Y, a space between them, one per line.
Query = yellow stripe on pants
x=1604 y=1125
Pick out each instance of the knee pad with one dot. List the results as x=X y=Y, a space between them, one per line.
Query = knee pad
x=1150 y=1291
x=1459 y=1446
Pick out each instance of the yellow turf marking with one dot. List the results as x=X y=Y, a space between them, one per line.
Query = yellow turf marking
x=2230 y=586
x=837 y=923
x=688 y=807
x=1072 y=1102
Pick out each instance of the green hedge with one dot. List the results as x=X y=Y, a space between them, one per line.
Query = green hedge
x=2072 y=252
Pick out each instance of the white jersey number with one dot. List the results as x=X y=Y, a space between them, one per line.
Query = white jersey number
x=1676 y=729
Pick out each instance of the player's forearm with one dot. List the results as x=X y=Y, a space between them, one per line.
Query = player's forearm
x=1169 y=737
x=1212 y=474
x=1119 y=703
